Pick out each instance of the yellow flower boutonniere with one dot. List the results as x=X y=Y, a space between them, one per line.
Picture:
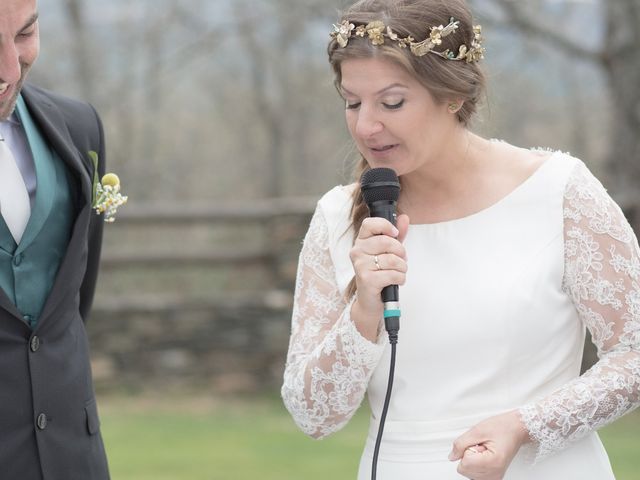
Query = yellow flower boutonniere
x=106 y=193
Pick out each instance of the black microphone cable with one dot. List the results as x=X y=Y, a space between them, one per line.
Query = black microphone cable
x=392 y=325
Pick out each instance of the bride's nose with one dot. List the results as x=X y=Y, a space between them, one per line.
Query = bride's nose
x=367 y=123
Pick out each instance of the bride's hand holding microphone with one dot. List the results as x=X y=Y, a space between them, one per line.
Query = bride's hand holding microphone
x=379 y=259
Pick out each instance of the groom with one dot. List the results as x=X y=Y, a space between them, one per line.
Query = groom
x=49 y=252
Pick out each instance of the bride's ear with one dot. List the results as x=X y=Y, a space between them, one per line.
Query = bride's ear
x=453 y=106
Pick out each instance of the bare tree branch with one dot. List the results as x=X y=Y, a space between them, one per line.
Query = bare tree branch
x=155 y=72
x=519 y=19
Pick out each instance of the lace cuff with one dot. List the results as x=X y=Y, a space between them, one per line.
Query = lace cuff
x=602 y=269
x=363 y=351
x=329 y=362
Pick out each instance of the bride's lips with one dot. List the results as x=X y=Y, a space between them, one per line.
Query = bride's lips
x=381 y=150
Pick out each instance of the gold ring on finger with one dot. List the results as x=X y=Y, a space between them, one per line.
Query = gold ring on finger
x=375 y=260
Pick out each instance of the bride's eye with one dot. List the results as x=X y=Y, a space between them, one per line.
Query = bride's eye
x=394 y=106
x=352 y=106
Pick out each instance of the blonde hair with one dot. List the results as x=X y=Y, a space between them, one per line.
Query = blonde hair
x=446 y=80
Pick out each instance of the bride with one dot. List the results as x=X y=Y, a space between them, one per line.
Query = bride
x=503 y=256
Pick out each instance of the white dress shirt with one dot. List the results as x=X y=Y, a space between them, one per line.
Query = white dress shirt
x=15 y=136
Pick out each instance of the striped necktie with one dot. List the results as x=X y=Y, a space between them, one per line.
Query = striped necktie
x=15 y=206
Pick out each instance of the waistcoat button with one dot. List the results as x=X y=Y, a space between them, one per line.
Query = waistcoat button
x=17 y=260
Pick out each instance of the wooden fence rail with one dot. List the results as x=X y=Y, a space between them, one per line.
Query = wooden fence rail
x=247 y=211
x=268 y=215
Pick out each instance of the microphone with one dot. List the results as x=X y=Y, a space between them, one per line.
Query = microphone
x=380 y=189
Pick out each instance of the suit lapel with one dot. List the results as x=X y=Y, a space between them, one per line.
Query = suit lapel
x=45 y=174
x=54 y=128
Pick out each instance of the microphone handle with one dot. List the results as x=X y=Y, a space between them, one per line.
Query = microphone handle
x=390 y=294
x=383 y=209
x=386 y=209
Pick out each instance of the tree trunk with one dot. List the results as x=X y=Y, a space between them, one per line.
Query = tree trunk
x=81 y=49
x=621 y=61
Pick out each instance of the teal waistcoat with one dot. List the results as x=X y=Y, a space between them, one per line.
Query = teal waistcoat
x=28 y=270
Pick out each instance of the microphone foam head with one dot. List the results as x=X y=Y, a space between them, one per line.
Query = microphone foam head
x=380 y=184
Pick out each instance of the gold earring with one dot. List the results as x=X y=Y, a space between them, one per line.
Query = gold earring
x=453 y=107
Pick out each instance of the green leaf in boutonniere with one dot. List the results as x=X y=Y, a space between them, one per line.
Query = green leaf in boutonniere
x=96 y=179
x=106 y=197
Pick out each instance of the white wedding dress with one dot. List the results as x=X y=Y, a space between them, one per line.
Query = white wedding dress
x=494 y=312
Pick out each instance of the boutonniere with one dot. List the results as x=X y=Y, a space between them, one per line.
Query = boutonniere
x=106 y=196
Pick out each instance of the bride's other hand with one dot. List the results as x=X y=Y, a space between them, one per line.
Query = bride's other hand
x=486 y=450
x=379 y=259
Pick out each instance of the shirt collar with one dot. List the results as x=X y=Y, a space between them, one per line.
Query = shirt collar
x=10 y=123
x=14 y=119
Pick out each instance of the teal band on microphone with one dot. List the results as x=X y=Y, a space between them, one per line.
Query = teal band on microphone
x=391 y=313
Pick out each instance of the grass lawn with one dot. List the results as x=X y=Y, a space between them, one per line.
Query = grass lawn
x=622 y=440
x=204 y=439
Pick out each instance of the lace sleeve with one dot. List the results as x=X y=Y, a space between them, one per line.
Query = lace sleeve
x=329 y=363
x=602 y=269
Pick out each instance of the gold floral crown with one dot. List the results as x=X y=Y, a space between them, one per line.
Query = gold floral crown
x=377 y=31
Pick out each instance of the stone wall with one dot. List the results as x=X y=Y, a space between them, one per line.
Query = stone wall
x=230 y=346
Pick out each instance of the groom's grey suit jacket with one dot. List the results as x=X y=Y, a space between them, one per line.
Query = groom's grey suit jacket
x=49 y=428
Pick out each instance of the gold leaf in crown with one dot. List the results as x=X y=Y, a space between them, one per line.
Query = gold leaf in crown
x=342 y=32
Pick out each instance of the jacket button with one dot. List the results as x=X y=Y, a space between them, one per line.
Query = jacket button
x=35 y=343
x=17 y=260
x=42 y=421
